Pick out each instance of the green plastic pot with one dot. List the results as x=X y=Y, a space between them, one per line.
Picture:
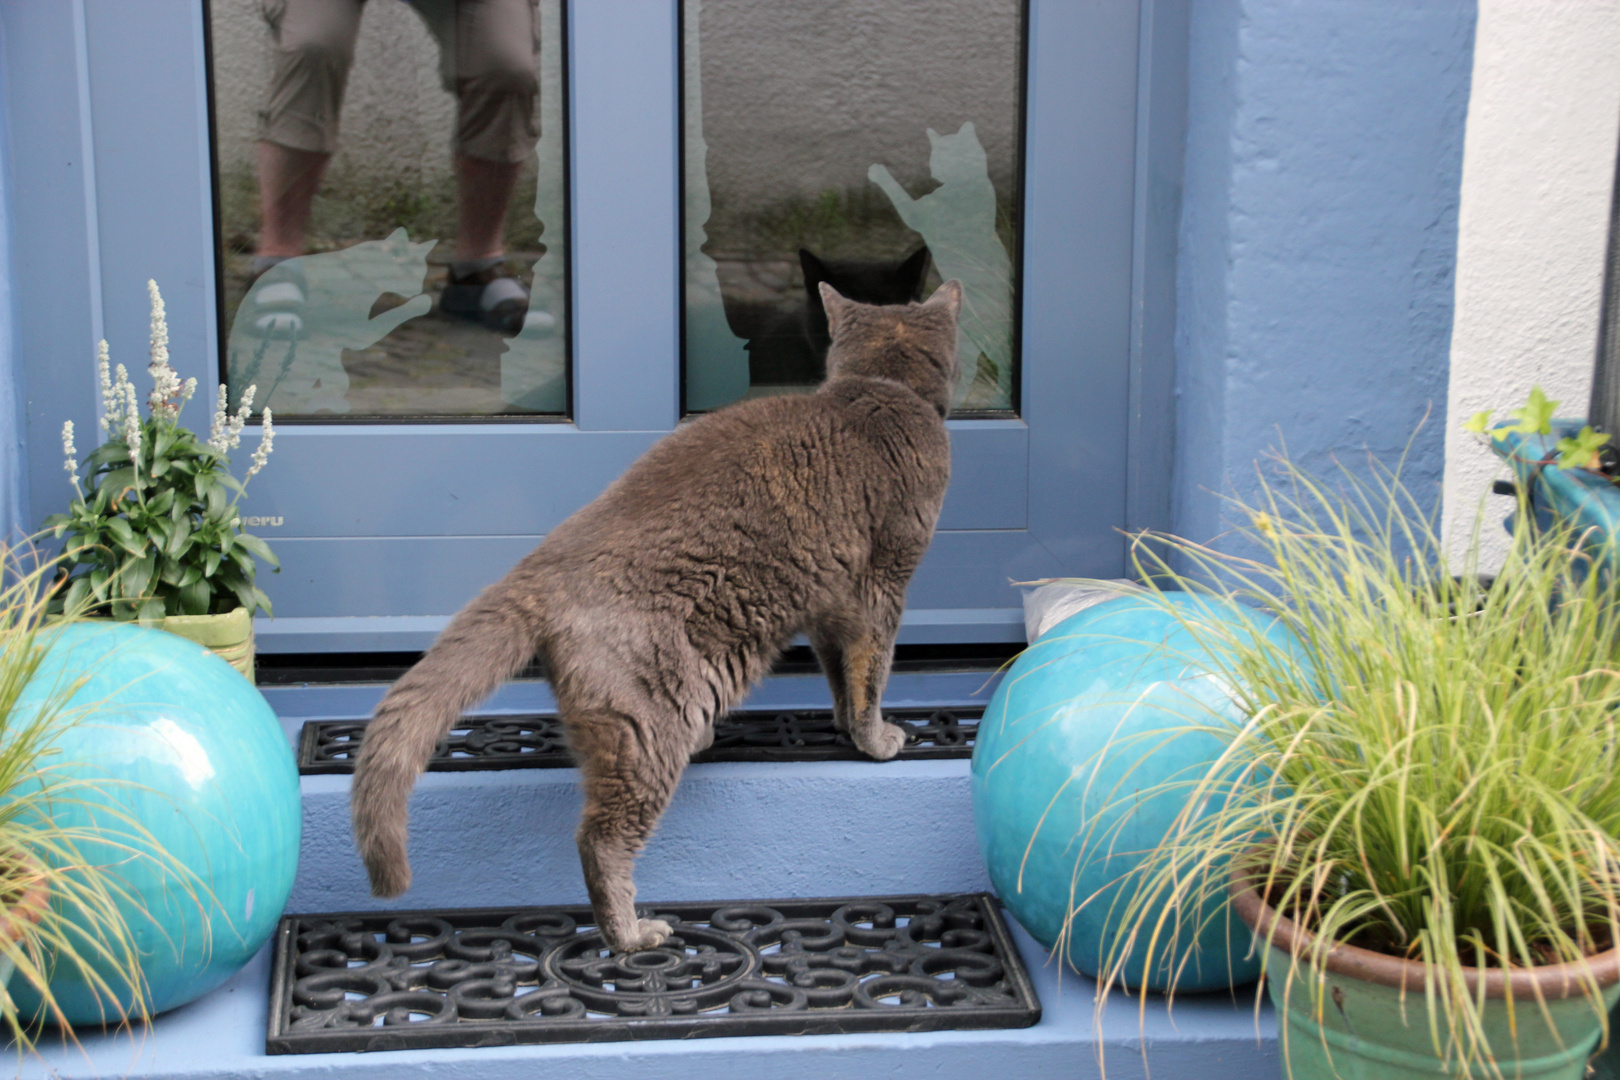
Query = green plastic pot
x=1368 y=1019
x=229 y=634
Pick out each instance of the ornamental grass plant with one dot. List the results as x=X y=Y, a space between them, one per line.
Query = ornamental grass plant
x=1431 y=770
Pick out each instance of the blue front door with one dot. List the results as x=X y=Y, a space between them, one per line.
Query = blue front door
x=386 y=524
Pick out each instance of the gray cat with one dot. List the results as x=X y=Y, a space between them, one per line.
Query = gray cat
x=659 y=605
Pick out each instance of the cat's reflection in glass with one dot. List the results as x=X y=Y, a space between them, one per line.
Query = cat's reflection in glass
x=880 y=163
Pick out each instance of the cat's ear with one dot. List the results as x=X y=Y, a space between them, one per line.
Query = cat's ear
x=834 y=305
x=948 y=295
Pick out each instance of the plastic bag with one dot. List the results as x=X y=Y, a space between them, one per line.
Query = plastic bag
x=1049 y=601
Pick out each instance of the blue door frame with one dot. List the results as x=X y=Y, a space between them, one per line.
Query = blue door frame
x=388 y=529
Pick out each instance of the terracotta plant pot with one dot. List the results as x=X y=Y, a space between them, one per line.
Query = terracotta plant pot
x=229 y=634
x=1374 y=1022
x=16 y=918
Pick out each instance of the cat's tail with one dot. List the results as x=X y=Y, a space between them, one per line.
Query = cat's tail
x=488 y=642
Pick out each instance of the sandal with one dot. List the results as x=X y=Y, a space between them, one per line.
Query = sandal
x=277 y=305
x=486 y=295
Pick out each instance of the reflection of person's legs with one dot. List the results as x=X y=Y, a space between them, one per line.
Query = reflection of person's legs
x=313 y=46
x=488 y=52
x=483 y=193
x=288 y=180
x=313 y=42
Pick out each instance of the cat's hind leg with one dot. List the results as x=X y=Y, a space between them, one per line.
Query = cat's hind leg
x=631 y=766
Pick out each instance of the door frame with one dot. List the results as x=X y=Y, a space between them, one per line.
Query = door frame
x=104 y=197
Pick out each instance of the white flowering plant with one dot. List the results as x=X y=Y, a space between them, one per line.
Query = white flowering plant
x=153 y=528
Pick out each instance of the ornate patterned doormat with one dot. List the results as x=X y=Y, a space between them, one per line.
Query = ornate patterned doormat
x=536 y=742
x=492 y=977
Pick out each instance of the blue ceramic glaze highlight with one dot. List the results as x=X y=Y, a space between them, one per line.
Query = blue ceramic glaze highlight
x=191 y=750
x=1092 y=714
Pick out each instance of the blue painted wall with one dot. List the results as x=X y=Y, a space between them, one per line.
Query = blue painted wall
x=1318 y=238
x=12 y=476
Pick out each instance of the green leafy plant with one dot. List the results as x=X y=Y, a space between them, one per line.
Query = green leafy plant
x=1431 y=770
x=153 y=529
x=1582 y=451
x=62 y=893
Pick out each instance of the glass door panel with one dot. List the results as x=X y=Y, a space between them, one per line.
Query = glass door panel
x=392 y=206
x=871 y=144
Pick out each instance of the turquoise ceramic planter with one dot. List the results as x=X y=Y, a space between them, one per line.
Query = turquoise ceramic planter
x=1591 y=503
x=192 y=751
x=1587 y=501
x=1079 y=726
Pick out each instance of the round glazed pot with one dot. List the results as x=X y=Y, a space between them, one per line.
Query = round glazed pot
x=1368 y=1019
x=170 y=736
x=1075 y=771
x=229 y=634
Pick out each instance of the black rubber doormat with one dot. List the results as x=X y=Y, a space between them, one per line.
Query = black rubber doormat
x=493 y=977
x=536 y=742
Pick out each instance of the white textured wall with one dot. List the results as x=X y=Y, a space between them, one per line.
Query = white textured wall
x=788 y=108
x=823 y=110
x=1538 y=165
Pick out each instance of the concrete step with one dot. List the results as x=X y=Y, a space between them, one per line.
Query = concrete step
x=1210 y=1037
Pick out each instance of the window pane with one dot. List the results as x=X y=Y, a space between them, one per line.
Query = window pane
x=873 y=144
x=392 y=212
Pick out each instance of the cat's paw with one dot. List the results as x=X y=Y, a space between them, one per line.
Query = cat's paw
x=881 y=740
x=648 y=934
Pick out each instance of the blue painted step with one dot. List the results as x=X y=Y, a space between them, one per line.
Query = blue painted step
x=487 y=839
x=735 y=829
x=1211 y=1037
